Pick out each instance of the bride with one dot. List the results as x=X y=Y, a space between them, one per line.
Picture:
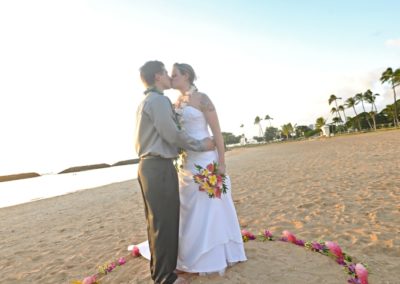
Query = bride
x=209 y=231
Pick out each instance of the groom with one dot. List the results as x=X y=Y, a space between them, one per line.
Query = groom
x=157 y=140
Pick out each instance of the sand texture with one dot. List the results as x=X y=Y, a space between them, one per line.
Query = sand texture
x=345 y=189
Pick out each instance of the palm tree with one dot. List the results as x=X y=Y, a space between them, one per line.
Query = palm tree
x=320 y=122
x=334 y=110
x=287 y=129
x=394 y=79
x=341 y=108
x=267 y=117
x=351 y=102
x=351 y=122
x=389 y=113
x=336 y=120
x=333 y=98
x=360 y=98
x=257 y=121
x=370 y=98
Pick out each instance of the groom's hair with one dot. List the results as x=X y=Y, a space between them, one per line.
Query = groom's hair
x=149 y=70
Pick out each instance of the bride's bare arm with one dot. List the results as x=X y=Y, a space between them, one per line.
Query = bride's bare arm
x=207 y=107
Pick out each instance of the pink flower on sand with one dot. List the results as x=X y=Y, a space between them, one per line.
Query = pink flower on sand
x=289 y=236
x=247 y=234
x=111 y=266
x=89 y=280
x=335 y=249
x=317 y=246
x=362 y=273
x=121 y=261
x=267 y=234
x=135 y=251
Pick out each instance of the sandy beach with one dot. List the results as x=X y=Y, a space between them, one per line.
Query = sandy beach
x=345 y=189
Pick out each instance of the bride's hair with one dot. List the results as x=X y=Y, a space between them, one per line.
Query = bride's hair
x=186 y=69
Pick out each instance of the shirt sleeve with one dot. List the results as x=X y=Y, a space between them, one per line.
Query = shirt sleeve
x=164 y=120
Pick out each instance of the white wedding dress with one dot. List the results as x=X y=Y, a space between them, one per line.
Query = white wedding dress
x=209 y=231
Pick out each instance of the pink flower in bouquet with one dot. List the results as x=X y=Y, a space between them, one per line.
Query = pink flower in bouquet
x=210 y=181
x=362 y=273
x=197 y=178
x=121 y=261
x=334 y=249
x=219 y=181
x=218 y=193
x=289 y=236
x=89 y=280
x=135 y=251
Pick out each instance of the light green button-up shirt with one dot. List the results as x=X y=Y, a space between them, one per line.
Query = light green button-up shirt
x=157 y=132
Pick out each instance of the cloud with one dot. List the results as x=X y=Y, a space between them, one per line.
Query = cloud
x=393 y=43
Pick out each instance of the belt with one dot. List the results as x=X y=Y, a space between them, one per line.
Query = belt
x=153 y=157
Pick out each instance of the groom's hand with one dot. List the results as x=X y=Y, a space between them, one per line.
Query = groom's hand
x=208 y=144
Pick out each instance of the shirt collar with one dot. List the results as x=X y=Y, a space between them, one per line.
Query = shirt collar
x=153 y=90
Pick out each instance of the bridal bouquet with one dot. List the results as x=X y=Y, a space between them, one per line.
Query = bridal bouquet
x=210 y=181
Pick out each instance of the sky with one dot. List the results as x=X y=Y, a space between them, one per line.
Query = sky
x=69 y=70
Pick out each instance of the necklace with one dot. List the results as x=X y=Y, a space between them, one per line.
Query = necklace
x=191 y=91
x=153 y=89
x=185 y=97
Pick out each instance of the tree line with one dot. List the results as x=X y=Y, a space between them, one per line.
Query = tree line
x=369 y=119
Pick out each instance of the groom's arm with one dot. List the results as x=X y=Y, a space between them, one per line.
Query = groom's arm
x=166 y=126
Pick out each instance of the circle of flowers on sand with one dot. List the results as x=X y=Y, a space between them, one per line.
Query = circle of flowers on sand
x=358 y=272
x=107 y=268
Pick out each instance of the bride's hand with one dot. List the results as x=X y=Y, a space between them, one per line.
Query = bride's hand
x=222 y=169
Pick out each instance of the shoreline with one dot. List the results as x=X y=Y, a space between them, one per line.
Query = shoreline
x=75 y=169
x=48 y=186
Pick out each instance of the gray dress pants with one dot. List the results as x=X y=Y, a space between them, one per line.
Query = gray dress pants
x=158 y=181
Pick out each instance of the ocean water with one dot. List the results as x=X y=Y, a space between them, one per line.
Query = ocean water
x=46 y=186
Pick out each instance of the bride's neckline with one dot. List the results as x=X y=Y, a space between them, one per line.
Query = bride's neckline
x=184 y=98
x=193 y=107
